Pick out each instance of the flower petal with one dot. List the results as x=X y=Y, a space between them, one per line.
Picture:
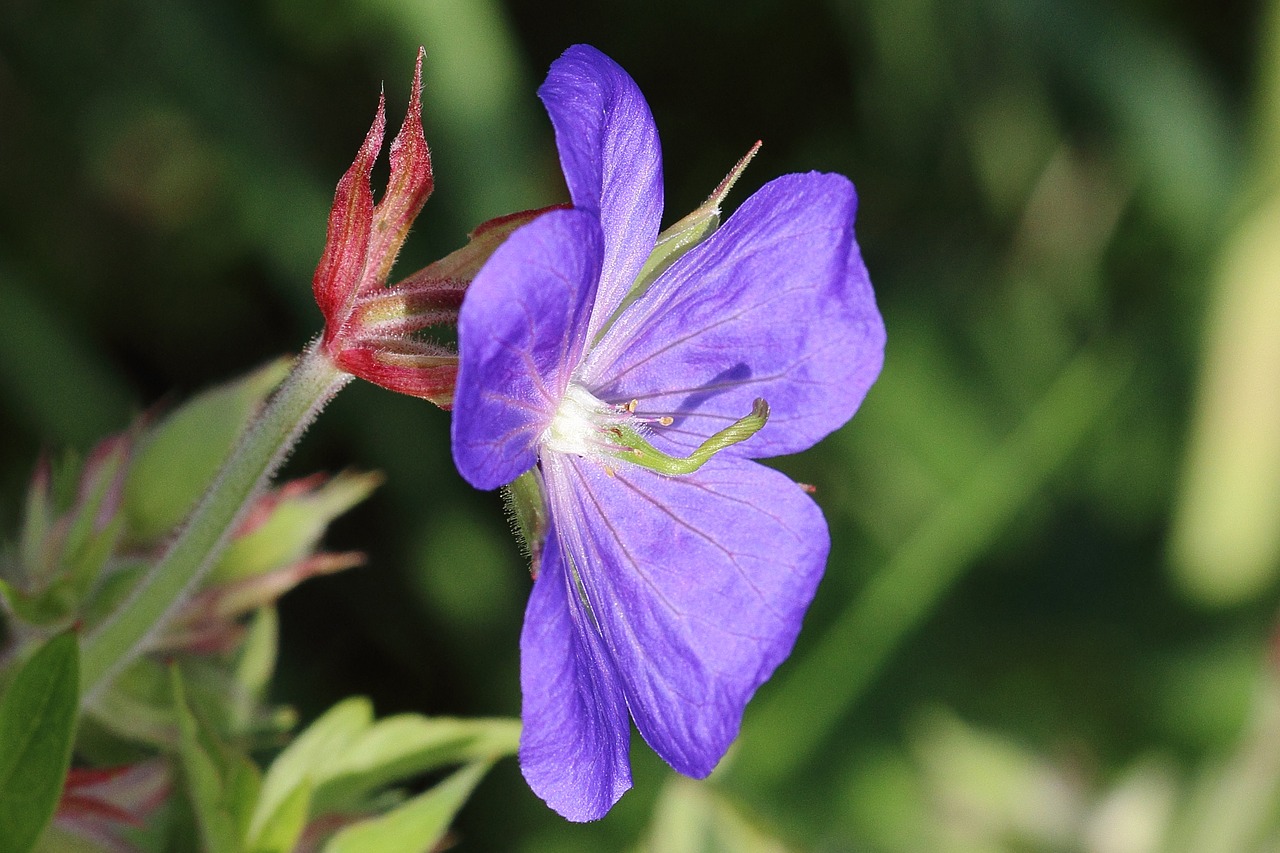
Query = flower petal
x=698 y=584
x=576 y=737
x=776 y=304
x=612 y=162
x=521 y=332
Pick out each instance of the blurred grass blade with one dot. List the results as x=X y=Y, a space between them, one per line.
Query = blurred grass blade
x=782 y=734
x=53 y=377
x=1233 y=807
x=1226 y=536
x=37 y=728
x=416 y=826
x=690 y=817
x=1266 y=130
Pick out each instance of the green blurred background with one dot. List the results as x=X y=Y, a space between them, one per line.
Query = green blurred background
x=1049 y=614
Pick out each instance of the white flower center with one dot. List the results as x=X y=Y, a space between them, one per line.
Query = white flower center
x=578 y=422
x=606 y=432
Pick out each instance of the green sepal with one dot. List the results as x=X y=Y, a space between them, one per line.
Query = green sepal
x=62 y=560
x=96 y=527
x=37 y=729
x=293 y=529
x=39 y=512
x=254 y=665
x=634 y=448
x=177 y=458
x=527 y=510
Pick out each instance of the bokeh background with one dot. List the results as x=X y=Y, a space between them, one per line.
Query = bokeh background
x=1048 y=622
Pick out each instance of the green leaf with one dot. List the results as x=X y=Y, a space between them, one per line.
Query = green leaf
x=406 y=745
x=222 y=788
x=281 y=831
x=37 y=728
x=415 y=826
x=300 y=762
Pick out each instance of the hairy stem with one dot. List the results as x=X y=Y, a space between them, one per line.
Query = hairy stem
x=259 y=452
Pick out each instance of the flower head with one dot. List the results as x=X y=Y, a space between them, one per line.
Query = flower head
x=372 y=329
x=626 y=373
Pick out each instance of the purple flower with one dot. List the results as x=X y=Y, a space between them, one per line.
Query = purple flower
x=625 y=373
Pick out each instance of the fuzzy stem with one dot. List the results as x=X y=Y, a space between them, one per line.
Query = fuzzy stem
x=259 y=452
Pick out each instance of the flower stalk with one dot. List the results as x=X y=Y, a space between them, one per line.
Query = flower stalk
x=160 y=593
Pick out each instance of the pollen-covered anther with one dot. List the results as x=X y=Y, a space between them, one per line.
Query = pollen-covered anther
x=661 y=420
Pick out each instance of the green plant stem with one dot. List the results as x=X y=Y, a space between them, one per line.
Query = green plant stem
x=260 y=450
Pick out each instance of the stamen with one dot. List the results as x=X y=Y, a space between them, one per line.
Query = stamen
x=642 y=453
x=664 y=420
x=593 y=429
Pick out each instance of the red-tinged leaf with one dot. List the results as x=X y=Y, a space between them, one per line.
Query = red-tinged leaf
x=341 y=268
x=409 y=186
x=105 y=804
x=265 y=506
x=209 y=622
x=409 y=367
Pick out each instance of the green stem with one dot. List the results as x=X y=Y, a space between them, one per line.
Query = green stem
x=260 y=450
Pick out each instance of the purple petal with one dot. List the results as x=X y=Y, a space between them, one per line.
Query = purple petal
x=776 y=304
x=576 y=735
x=521 y=331
x=699 y=585
x=611 y=159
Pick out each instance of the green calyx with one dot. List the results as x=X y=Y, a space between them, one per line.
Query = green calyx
x=527 y=511
x=634 y=448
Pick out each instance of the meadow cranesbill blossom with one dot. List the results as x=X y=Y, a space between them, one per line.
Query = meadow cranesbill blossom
x=633 y=378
